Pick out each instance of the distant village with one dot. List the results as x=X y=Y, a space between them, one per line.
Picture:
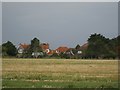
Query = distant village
x=70 y=52
x=97 y=46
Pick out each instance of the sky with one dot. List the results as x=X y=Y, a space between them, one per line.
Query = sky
x=60 y=0
x=58 y=23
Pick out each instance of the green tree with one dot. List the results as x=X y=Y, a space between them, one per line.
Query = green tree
x=35 y=47
x=98 y=46
x=117 y=43
x=9 y=49
x=0 y=50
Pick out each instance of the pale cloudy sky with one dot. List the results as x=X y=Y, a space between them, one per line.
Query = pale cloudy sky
x=59 y=0
x=60 y=23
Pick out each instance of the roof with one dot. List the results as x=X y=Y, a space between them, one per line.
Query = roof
x=70 y=49
x=62 y=49
x=50 y=53
x=24 y=46
x=84 y=46
x=44 y=46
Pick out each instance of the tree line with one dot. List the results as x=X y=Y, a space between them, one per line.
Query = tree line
x=99 y=47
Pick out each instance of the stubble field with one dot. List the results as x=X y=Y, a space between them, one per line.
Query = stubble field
x=59 y=73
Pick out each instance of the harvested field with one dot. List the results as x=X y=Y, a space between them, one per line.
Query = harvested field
x=59 y=73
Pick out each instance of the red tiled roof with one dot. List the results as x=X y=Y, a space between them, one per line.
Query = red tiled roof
x=24 y=46
x=62 y=49
x=44 y=46
x=51 y=52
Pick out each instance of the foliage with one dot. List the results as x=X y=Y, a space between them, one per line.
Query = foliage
x=0 y=50
x=9 y=49
x=54 y=55
x=101 y=47
x=98 y=47
x=34 y=49
x=34 y=44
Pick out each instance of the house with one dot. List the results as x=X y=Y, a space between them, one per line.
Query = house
x=78 y=49
x=37 y=54
x=44 y=46
x=76 y=52
x=84 y=47
x=71 y=51
x=61 y=49
x=22 y=47
x=51 y=52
